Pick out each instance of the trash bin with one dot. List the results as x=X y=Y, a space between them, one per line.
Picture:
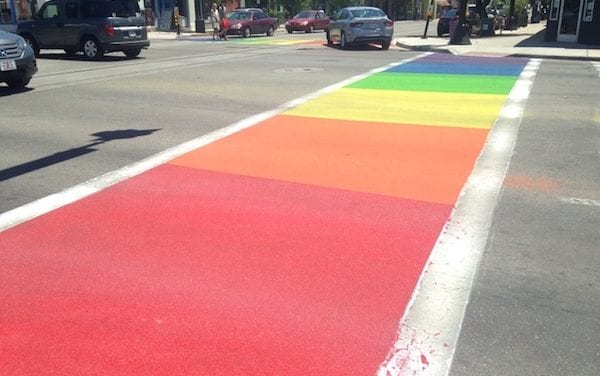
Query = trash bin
x=452 y=24
x=488 y=27
x=200 y=26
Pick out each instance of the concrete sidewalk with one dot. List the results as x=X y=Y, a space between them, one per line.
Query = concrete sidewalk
x=527 y=41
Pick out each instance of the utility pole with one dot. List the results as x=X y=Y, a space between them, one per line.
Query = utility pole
x=429 y=14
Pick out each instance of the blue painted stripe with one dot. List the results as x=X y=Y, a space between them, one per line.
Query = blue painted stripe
x=421 y=66
x=455 y=64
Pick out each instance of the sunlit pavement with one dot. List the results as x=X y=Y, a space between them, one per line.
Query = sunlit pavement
x=290 y=247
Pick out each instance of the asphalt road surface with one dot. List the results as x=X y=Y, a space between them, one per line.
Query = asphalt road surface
x=533 y=305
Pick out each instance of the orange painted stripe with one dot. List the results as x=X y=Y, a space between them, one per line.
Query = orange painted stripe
x=422 y=163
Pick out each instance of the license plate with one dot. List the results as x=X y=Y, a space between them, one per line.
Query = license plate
x=8 y=65
x=132 y=34
x=373 y=26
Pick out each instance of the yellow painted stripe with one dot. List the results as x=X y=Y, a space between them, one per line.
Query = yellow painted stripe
x=406 y=107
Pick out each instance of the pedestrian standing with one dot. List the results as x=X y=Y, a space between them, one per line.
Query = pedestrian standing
x=214 y=20
x=223 y=21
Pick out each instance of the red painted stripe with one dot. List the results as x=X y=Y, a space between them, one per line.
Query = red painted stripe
x=184 y=271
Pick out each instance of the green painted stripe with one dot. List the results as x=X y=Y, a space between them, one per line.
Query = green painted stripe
x=446 y=83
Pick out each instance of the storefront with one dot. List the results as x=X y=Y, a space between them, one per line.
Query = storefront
x=192 y=13
x=573 y=21
x=13 y=11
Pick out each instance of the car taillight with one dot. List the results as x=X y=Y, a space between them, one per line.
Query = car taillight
x=356 y=24
x=389 y=23
x=109 y=30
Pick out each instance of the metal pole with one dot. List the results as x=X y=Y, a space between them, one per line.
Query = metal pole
x=429 y=13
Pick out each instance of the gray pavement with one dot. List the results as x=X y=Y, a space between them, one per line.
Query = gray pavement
x=534 y=304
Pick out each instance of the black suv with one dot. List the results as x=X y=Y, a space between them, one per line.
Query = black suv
x=92 y=26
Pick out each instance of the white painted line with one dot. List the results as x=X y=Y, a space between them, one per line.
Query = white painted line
x=597 y=66
x=44 y=205
x=429 y=329
x=580 y=201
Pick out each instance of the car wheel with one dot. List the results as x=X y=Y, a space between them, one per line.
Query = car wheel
x=30 y=41
x=343 y=42
x=329 y=41
x=70 y=52
x=91 y=48
x=247 y=32
x=18 y=84
x=289 y=31
x=385 y=44
x=133 y=52
x=311 y=29
x=270 y=31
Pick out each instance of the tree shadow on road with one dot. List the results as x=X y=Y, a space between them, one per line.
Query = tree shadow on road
x=65 y=155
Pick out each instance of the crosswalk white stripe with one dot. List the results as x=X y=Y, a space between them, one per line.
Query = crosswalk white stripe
x=429 y=330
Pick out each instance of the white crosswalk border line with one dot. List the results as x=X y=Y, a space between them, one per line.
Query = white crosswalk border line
x=429 y=330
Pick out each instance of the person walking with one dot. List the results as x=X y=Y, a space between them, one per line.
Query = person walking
x=215 y=21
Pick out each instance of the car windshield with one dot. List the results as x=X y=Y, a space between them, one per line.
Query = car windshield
x=239 y=16
x=305 y=15
x=110 y=8
x=367 y=13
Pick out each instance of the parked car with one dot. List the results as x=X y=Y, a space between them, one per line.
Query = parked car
x=17 y=60
x=443 y=26
x=354 y=25
x=308 y=21
x=94 y=27
x=246 y=22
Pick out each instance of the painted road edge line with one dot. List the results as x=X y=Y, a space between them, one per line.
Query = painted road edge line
x=52 y=202
x=429 y=329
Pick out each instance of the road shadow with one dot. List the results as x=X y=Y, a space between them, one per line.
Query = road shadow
x=65 y=155
x=356 y=47
x=5 y=91
x=59 y=55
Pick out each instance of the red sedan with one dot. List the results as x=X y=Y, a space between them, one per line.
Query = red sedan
x=308 y=21
x=246 y=22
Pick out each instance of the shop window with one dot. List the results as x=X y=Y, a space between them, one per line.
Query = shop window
x=23 y=9
x=5 y=12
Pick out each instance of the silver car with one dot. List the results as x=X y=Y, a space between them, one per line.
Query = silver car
x=17 y=61
x=354 y=25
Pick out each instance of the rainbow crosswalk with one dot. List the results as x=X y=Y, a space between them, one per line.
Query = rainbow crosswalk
x=291 y=247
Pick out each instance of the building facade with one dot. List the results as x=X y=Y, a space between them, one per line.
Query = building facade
x=573 y=21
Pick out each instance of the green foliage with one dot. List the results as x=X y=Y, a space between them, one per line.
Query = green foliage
x=520 y=6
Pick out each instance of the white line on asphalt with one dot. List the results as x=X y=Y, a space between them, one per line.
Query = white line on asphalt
x=429 y=329
x=44 y=205
x=597 y=66
x=580 y=201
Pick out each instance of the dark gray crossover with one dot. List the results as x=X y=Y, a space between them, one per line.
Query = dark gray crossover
x=93 y=27
x=17 y=60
